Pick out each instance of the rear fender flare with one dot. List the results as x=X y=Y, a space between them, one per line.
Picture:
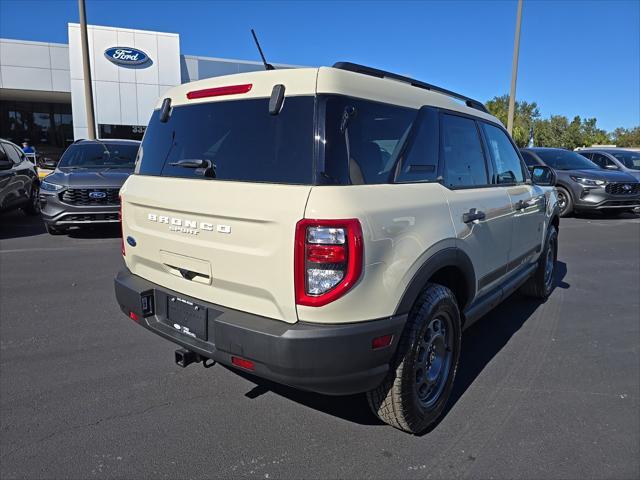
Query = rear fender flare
x=448 y=257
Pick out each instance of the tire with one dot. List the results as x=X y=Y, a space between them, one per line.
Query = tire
x=33 y=208
x=540 y=285
x=405 y=400
x=54 y=230
x=565 y=202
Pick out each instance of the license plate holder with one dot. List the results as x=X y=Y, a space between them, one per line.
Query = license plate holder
x=187 y=317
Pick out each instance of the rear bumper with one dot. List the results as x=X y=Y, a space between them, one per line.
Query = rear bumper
x=329 y=359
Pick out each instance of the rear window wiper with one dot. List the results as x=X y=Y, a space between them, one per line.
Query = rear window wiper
x=203 y=167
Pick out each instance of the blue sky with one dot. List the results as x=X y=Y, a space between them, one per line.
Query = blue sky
x=576 y=57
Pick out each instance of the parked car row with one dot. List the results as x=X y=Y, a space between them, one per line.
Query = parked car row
x=610 y=186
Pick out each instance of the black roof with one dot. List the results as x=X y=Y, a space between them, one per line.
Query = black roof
x=374 y=72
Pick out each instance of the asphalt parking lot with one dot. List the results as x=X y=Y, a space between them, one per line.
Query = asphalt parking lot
x=543 y=391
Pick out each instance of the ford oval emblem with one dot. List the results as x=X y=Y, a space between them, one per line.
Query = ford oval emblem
x=131 y=241
x=126 y=56
x=97 y=195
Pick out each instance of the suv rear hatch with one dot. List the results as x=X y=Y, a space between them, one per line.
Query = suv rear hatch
x=218 y=190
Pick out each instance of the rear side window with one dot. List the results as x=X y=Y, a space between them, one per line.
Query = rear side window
x=503 y=153
x=240 y=140
x=362 y=140
x=461 y=152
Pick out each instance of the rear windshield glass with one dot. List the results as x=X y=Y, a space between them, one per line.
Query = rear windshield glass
x=234 y=140
x=362 y=140
x=99 y=155
x=566 y=160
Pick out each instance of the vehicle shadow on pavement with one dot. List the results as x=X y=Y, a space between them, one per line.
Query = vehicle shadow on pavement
x=480 y=343
x=483 y=340
x=600 y=216
x=17 y=225
x=96 y=231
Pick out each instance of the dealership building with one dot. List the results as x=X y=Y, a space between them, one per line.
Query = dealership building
x=42 y=84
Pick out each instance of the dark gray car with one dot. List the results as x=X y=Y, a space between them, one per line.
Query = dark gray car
x=622 y=159
x=84 y=188
x=582 y=185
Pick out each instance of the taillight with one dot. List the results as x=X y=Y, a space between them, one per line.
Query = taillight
x=328 y=259
x=219 y=91
x=121 y=230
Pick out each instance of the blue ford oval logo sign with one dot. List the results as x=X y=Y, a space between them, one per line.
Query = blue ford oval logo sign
x=97 y=195
x=126 y=56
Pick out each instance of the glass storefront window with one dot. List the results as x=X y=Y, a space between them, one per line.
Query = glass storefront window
x=48 y=127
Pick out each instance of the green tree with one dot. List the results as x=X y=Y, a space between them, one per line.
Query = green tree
x=550 y=132
x=624 y=137
x=525 y=115
x=592 y=135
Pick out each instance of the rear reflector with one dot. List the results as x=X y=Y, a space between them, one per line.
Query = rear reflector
x=133 y=316
x=380 y=342
x=219 y=91
x=243 y=363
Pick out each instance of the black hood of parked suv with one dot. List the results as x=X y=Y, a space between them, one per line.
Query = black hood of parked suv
x=89 y=177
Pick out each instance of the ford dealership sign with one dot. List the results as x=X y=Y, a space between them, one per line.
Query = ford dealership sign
x=126 y=56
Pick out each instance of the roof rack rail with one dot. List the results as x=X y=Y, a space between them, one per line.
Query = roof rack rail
x=374 y=72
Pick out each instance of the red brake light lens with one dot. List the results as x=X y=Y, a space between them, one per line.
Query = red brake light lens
x=328 y=259
x=133 y=316
x=219 y=91
x=326 y=253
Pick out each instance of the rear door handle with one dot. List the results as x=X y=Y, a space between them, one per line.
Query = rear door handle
x=473 y=214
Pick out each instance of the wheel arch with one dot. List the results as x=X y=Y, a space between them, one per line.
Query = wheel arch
x=450 y=267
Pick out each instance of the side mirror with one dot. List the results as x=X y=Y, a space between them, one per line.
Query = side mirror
x=5 y=164
x=611 y=166
x=543 y=176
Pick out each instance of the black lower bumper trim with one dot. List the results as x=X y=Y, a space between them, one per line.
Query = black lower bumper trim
x=332 y=359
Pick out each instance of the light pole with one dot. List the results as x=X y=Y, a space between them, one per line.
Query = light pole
x=514 y=71
x=86 y=68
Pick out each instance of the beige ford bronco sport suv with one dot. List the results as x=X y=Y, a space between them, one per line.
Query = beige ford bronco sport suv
x=333 y=229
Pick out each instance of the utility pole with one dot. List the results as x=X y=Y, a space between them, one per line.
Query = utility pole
x=86 y=68
x=514 y=71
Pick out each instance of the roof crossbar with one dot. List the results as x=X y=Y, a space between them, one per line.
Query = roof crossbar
x=374 y=72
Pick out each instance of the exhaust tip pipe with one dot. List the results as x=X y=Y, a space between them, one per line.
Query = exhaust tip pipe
x=185 y=357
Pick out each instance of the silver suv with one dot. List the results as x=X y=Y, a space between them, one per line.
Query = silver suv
x=332 y=229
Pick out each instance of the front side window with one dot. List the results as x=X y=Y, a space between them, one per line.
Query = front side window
x=504 y=155
x=599 y=159
x=629 y=159
x=99 y=155
x=461 y=152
